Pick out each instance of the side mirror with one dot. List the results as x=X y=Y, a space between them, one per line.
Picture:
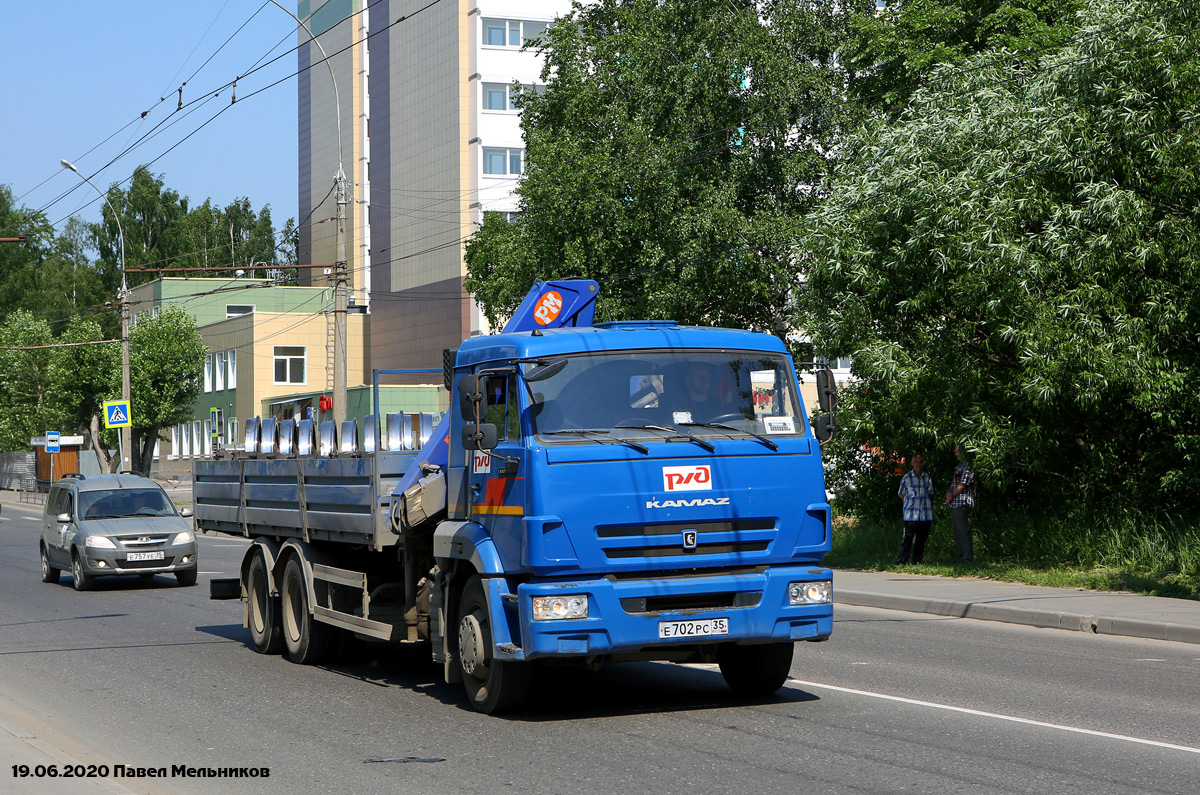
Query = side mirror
x=824 y=427
x=63 y=518
x=185 y=512
x=479 y=437
x=826 y=391
x=471 y=391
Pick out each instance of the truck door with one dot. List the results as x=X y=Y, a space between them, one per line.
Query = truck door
x=496 y=491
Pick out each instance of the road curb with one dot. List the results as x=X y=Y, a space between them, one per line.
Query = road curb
x=1045 y=619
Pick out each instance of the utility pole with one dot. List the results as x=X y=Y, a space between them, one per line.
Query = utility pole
x=126 y=431
x=340 y=289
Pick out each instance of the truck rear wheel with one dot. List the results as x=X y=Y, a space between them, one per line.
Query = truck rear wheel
x=262 y=609
x=755 y=670
x=493 y=686
x=307 y=641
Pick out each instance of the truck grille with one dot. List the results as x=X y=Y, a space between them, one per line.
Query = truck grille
x=625 y=542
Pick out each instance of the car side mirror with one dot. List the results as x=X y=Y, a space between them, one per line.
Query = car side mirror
x=824 y=427
x=63 y=518
x=472 y=390
x=479 y=437
x=826 y=390
x=185 y=512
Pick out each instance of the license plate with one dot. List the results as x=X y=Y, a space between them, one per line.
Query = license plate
x=693 y=629
x=145 y=555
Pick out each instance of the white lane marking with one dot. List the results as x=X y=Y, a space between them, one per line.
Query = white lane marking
x=995 y=715
x=1150 y=659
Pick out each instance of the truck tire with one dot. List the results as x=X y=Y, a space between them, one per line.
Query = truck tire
x=81 y=580
x=493 y=687
x=755 y=670
x=49 y=573
x=262 y=609
x=307 y=641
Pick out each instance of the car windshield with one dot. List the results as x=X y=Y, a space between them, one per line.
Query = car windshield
x=649 y=395
x=117 y=503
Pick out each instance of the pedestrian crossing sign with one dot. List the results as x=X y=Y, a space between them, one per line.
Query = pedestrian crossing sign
x=116 y=414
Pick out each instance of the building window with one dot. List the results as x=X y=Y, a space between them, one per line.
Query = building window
x=208 y=374
x=289 y=364
x=234 y=310
x=497 y=96
x=501 y=162
x=231 y=359
x=511 y=32
x=219 y=371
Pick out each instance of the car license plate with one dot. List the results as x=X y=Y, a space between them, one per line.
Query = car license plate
x=145 y=555
x=693 y=629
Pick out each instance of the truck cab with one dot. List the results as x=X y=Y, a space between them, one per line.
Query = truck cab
x=634 y=491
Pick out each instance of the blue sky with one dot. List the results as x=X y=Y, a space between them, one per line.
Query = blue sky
x=78 y=76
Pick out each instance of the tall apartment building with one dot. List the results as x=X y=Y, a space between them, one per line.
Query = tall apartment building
x=430 y=141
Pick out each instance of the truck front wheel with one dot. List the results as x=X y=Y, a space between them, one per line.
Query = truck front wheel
x=307 y=640
x=755 y=670
x=493 y=686
x=262 y=609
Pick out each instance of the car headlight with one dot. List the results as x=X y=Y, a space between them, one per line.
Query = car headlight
x=100 y=542
x=810 y=593
x=560 y=608
x=185 y=537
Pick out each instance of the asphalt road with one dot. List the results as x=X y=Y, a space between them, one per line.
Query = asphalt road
x=159 y=675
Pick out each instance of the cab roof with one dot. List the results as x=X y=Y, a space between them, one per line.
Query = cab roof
x=618 y=336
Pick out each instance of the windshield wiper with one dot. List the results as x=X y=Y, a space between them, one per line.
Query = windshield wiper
x=641 y=448
x=694 y=439
x=768 y=442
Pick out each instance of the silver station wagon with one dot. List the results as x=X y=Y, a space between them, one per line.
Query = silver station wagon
x=114 y=524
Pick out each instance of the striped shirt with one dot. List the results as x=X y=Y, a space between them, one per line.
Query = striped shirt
x=917 y=491
x=964 y=477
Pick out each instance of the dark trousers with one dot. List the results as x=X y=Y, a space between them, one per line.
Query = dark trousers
x=915 y=535
x=960 y=520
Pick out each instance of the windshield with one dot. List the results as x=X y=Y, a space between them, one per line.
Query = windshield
x=116 y=503
x=750 y=392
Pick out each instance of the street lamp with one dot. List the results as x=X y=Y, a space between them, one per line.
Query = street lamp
x=125 y=431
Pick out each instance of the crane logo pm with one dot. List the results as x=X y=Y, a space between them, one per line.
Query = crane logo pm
x=693 y=478
x=547 y=308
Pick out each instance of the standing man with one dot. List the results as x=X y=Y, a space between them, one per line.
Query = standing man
x=961 y=499
x=916 y=492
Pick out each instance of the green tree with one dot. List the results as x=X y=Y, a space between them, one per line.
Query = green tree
x=897 y=50
x=1013 y=263
x=27 y=381
x=166 y=362
x=668 y=154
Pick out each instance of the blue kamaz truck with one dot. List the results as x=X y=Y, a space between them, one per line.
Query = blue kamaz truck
x=598 y=492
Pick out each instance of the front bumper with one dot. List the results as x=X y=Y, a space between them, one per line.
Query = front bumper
x=624 y=615
x=97 y=561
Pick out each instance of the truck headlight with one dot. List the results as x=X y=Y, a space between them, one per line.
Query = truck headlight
x=185 y=537
x=810 y=593
x=560 y=608
x=100 y=542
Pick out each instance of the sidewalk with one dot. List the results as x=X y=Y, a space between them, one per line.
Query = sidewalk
x=1100 y=612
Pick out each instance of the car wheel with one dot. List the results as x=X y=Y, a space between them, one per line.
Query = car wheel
x=49 y=573
x=755 y=670
x=307 y=640
x=80 y=579
x=262 y=609
x=187 y=577
x=493 y=686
